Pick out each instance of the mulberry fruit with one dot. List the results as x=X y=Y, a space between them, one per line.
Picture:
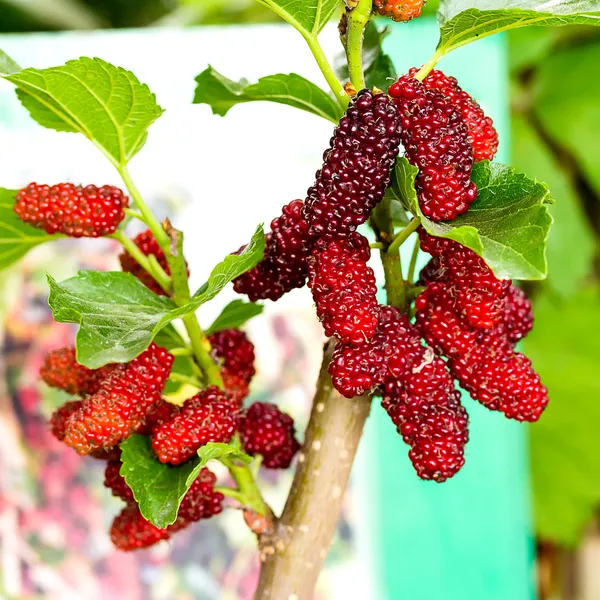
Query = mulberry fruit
x=163 y=412
x=61 y=370
x=482 y=135
x=115 y=482
x=207 y=417
x=356 y=167
x=121 y=404
x=267 y=431
x=148 y=245
x=399 y=10
x=435 y=138
x=517 y=318
x=283 y=267
x=344 y=289
x=235 y=351
x=130 y=531
x=60 y=417
x=235 y=386
x=72 y=210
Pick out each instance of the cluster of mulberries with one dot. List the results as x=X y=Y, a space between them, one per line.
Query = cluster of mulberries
x=436 y=140
x=482 y=134
x=399 y=10
x=72 y=210
x=474 y=319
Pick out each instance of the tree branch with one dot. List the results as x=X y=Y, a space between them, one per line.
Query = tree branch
x=294 y=552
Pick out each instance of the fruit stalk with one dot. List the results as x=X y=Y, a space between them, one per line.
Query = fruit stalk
x=294 y=552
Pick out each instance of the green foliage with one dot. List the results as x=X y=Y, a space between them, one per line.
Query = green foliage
x=462 y=23
x=234 y=315
x=569 y=263
x=565 y=446
x=119 y=316
x=157 y=488
x=221 y=94
x=218 y=451
x=7 y=64
x=105 y=103
x=308 y=18
x=16 y=238
x=507 y=225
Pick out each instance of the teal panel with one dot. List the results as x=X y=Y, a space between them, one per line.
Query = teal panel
x=469 y=538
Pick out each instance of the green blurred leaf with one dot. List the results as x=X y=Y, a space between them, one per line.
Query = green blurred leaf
x=307 y=17
x=566 y=102
x=119 y=316
x=565 y=446
x=221 y=94
x=507 y=225
x=157 y=488
x=218 y=451
x=66 y=14
x=105 y=103
x=169 y=338
x=17 y=238
x=234 y=315
x=464 y=21
x=7 y=65
x=569 y=263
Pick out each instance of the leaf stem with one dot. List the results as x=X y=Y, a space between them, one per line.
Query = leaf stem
x=180 y=352
x=413 y=262
x=403 y=235
x=247 y=487
x=429 y=65
x=134 y=214
x=185 y=379
x=152 y=268
x=327 y=70
x=358 y=17
x=230 y=493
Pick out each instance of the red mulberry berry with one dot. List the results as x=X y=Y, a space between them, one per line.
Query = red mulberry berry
x=517 y=319
x=72 y=210
x=267 y=431
x=501 y=379
x=283 y=267
x=130 y=531
x=207 y=417
x=61 y=370
x=356 y=167
x=235 y=386
x=147 y=243
x=60 y=417
x=482 y=135
x=121 y=404
x=115 y=482
x=399 y=10
x=235 y=351
x=435 y=139
x=161 y=413
x=344 y=289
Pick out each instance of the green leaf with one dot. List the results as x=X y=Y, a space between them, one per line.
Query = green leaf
x=221 y=93
x=569 y=264
x=565 y=446
x=7 y=65
x=566 y=102
x=306 y=17
x=402 y=188
x=119 y=316
x=218 y=451
x=157 y=488
x=464 y=21
x=507 y=225
x=17 y=238
x=105 y=103
x=234 y=315
x=169 y=338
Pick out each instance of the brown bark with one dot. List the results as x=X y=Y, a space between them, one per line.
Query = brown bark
x=292 y=555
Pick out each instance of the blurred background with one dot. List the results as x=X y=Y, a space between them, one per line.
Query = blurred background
x=554 y=130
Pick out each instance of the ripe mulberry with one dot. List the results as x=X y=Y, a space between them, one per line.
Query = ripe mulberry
x=283 y=267
x=517 y=318
x=236 y=387
x=60 y=417
x=267 y=431
x=482 y=135
x=115 y=482
x=399 y=10
x=121 y=404
x=235 y=351
x=435 y=138
x=147 y=243
x=344 y=289
x=130 y=531
x=209 y=416
x=72 y=210
x=61 y=370
x=161 y=413
x=356 y=167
